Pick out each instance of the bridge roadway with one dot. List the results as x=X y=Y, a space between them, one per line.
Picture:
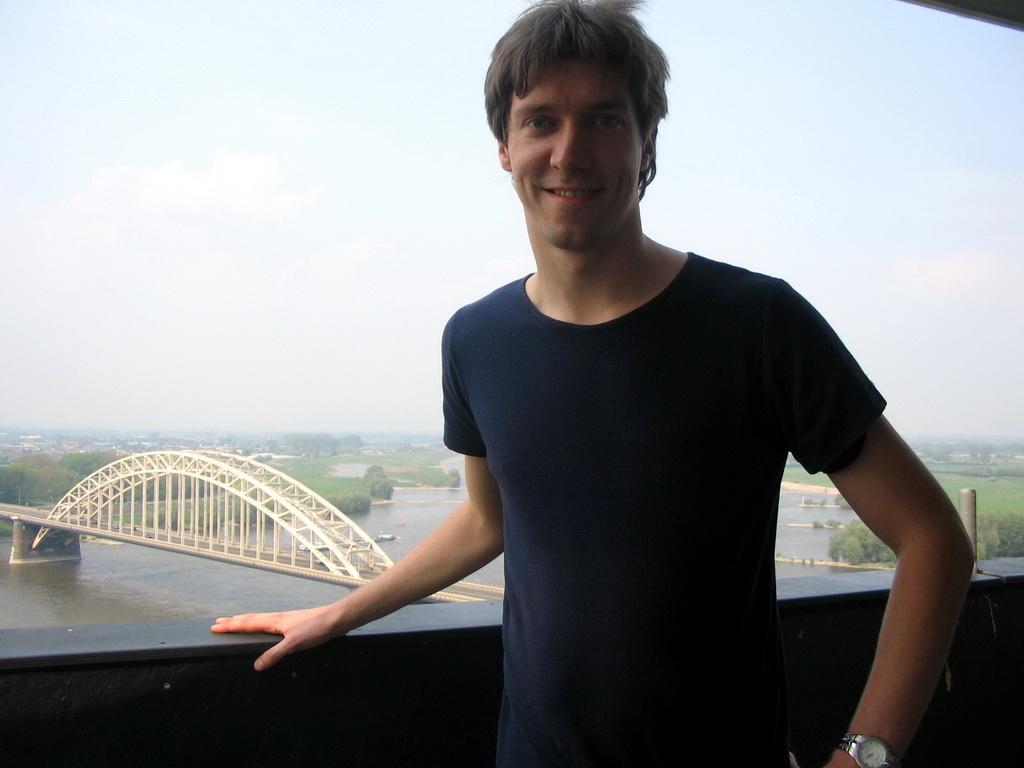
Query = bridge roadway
x=246 y=555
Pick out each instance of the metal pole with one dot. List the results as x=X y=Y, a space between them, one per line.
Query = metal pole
x=969 y=517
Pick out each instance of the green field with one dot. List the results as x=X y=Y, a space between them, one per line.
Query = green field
x=404 y=468
x=1000 y=494
x=997 y=493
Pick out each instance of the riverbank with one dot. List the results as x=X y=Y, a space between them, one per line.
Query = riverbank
x=805 y=488
x=831 y=564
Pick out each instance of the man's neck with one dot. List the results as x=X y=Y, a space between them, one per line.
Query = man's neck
x=599 y=286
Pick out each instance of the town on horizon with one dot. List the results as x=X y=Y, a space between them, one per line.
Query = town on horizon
x=15 y=441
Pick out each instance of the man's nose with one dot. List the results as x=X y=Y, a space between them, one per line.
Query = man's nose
x=571 y=150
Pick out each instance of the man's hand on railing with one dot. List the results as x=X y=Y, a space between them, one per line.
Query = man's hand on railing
x=302 y=629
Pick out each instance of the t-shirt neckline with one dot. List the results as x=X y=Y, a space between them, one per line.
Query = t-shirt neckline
x=643 y=308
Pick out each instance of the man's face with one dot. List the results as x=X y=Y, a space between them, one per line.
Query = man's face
x=575 y=152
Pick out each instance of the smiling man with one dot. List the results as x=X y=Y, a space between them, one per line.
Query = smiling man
x=575 y=148
x=601 y=403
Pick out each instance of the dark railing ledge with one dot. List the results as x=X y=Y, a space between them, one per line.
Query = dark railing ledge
x=188 y=638
x=192 y=638
x=1009 y=570
x=873 y=584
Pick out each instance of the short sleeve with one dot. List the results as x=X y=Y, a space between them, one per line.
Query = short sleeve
x=823 y=400
x=461 y=433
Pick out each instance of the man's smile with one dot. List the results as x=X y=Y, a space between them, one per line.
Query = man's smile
x=573 y=193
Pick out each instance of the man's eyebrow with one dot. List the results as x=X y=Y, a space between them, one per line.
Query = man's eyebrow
x=607 y=105
x=611 y=105
x=531 y=109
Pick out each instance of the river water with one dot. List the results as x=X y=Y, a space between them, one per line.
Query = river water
x=117 y=583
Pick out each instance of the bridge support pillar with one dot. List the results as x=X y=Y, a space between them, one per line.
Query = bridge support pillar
x=57 y=546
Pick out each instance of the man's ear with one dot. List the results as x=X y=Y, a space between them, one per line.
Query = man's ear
x=648 y=151
x=506 y=163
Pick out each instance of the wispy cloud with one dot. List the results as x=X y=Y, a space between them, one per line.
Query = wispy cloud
x=234 y=183
x=955 y=275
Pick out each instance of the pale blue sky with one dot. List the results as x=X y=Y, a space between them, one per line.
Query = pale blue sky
x=258 y=216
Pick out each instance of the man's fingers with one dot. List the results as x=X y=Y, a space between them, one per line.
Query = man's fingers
x=248 y=622
x=271 y=656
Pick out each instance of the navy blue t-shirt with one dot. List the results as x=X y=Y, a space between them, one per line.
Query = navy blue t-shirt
x=639 y=463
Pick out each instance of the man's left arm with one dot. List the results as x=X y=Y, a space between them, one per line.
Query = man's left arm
x=900 y=501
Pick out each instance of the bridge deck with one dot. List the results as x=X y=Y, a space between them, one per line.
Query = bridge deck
x=248 y=555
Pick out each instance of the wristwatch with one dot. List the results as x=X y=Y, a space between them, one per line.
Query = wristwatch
x=869 y=751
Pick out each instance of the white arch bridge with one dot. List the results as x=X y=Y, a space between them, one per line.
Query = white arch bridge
x=222 y=507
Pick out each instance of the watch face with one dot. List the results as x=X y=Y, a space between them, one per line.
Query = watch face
x=871 y=753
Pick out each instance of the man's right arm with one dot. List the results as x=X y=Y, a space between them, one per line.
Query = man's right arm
x=468 y=539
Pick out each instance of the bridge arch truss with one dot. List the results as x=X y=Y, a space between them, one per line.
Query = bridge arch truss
x=221 y=506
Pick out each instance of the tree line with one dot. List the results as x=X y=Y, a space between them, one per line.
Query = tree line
x=41 y=479
x=999 y=535
x=376 y=486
